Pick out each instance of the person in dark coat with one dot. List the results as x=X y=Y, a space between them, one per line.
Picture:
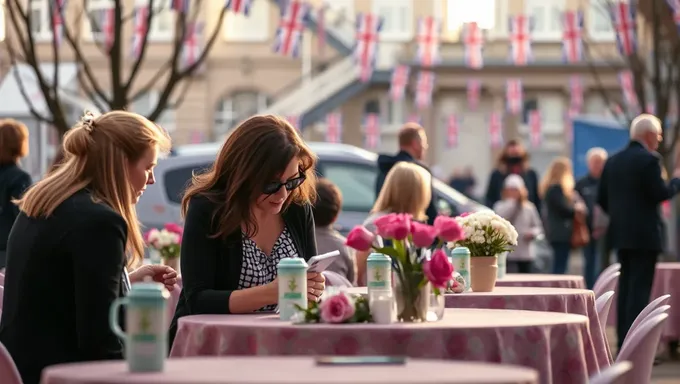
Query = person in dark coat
x=513 y=160
x=631 y=191
x=412 y=149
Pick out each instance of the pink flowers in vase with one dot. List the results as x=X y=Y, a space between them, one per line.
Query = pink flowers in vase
x=166 y=241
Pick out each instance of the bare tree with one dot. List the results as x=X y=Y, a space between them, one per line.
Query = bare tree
x=171 y=80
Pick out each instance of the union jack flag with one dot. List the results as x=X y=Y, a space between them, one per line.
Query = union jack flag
x=289 y=33
x=572 y=36
x=535 y=134
x=452 y=130
x=514 y=95
x=181 y=6
x=520 y=39
x=474 y=89
x=197 y=137
x=108 y=25
x=474 y=44
x=294 y=120
x=496 y=130
x=675 y=7
x=58 y=7
x=400 y=75
x=372 y=131
x=576 y=92
x=628 y=88
x=429 y=30
x=239 y=6
x=424 y=88
x=414 y=118
x=191 y=51
x=141 y=28
x=623 y=17
x=368 y=28
x=334 y=127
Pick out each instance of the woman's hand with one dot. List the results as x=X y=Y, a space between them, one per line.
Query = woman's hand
x=316 y=284
x=158 y=273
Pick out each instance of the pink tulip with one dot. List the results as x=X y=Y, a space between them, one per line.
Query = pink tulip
x=423 y=234
x=174 y=228
x=337 y=309
x=360 y=238
x=448 y=228
x=465 y=214
x=394 y=226
x=438 y=269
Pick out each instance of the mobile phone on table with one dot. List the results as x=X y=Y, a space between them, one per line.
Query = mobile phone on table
x=361 y=360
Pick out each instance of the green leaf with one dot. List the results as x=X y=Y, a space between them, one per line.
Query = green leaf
x=389 y=251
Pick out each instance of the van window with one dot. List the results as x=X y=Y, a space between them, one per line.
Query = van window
x=176 y=181
x=356 y=182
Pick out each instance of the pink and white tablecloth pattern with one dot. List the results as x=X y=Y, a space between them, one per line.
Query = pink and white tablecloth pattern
x=289 y=370
x=554 y=344
x=541 y=280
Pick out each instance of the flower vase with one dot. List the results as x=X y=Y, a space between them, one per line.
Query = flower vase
x=413 y=302
x=171 y=262
x=483 y=273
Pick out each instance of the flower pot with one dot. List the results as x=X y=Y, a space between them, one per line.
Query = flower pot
x=483 y=273
x=412 y=302
x=172 y=263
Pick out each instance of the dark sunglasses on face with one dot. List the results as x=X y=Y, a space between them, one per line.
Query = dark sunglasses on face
x=275 y=186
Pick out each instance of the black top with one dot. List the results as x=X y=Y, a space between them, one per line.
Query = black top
x=558 y=215
x=63 y=273
x=631 y=192
x=587 y=188
x=13 y=183
x=211 y=267
x=495 y=187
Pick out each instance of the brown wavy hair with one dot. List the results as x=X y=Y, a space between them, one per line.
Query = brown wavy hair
x=256 y=153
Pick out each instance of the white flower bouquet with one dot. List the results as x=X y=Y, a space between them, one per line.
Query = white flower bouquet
x=166 y=241
x=485 y=234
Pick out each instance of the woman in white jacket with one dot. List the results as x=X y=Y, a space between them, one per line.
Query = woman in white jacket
x=522 y=213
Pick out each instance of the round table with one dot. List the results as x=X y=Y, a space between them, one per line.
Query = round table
x=541 y=280
x=298 y=370
x=552 y=343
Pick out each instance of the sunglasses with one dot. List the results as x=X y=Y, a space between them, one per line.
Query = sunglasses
x=275 y=186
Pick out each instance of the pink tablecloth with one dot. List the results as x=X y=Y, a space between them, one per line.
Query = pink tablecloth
x=551 y=343
x=541 y=280
x=666 y=281
x=285 y=370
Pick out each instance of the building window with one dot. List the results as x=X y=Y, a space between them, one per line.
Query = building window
x=237 y=107
x=163 y=23
x=162 y=26
x=251 y=28
x=397 y=19
x=599 y=23
x=529 y=106
x=95 y=22
x=394 y=115
x=372 y=106
x=340 y=12
x=40 y=19
x=145 y=104
x=547 y=18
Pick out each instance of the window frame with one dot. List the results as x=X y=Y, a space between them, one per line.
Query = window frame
x=260 y=33
x=156 y=34
x=45 y=29
x=220 y=113
x=597 y=9
x=547 y=8
x=323 y=166
x=403 y=33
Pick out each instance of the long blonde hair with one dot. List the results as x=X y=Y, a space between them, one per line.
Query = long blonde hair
x=559 y=172
x=407 y=189
x=96 y=154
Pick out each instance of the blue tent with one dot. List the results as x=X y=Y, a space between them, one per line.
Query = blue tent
x=595 y=131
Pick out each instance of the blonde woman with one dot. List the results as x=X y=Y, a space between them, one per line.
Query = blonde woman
x=66 y=254
x=407 y=189
x=561 y=206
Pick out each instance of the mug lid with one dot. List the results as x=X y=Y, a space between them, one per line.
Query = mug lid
x=375 y=256
x=459 y=250
x=292 y=262
x=148 y=289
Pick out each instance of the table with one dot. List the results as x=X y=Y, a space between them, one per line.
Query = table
x=555 y=344
x=298 y=370
x=541 y=280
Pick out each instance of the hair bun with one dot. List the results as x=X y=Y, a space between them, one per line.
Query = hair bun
x=78 y=140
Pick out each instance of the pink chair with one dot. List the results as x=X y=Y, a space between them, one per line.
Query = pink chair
x=644 y=315
x=616 y=267
x=608 y=284
x=8 y=370
x=616 y=374
x=602 y=305
x=334 y=279
x=641 y=348
x=2 y=279
x=2 y=294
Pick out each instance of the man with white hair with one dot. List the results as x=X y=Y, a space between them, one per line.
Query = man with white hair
x=630 y=192
x=587 y=188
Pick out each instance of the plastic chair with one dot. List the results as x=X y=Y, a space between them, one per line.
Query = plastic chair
x=2 y=279
x=641 y=348
x=602 y=305
x=335 y=279
x=616 y=267
x=644 y=315
x=617 y=373
x=608 y=284
x=8 y=370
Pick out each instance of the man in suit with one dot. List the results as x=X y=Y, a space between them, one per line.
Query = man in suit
x=630 y=192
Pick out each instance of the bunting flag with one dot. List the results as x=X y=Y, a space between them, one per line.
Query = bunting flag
x=576 y=92
x=496 y=130
x=429 y=32
x=625 y=25
x=628 y=89
x=141 y=28
x=321 y=29
x=675 y=7
x=368 y=27
x=334 y=127
x=514 y=96
x=650 y=108
x=424 y=88
x=414 y=118
x=108 y=27
x=181 y=6
x=58 y=7
x=474 y=90
x=239 y=6
x=452 y=131
x=371 y=131
x=474 y=44
x=520 y=40
x=197 y=137
x=399 y=81
x=616 y=109
x=289 y=33
x=535 y=134
x=191 y=50
x=294 y=120
x=572 y=36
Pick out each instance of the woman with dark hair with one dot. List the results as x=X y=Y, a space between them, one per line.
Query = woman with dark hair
x=248 y=211
x=513 y=160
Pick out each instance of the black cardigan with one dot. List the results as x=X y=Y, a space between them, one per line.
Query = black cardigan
x=211 y=266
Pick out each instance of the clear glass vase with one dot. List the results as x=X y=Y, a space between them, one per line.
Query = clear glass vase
x=412 y=299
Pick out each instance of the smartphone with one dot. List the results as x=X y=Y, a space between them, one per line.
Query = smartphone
x=361 y=360
x=319 y=263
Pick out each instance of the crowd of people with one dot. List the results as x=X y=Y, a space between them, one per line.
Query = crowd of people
x=71 y=242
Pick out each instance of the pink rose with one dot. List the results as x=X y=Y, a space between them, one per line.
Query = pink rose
x=394 y=226
x=465 y=214
x=448 y=229
x=360 y=238
x=337 y=309
x=174 y=228
x=423 y=234
x=438 y=269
